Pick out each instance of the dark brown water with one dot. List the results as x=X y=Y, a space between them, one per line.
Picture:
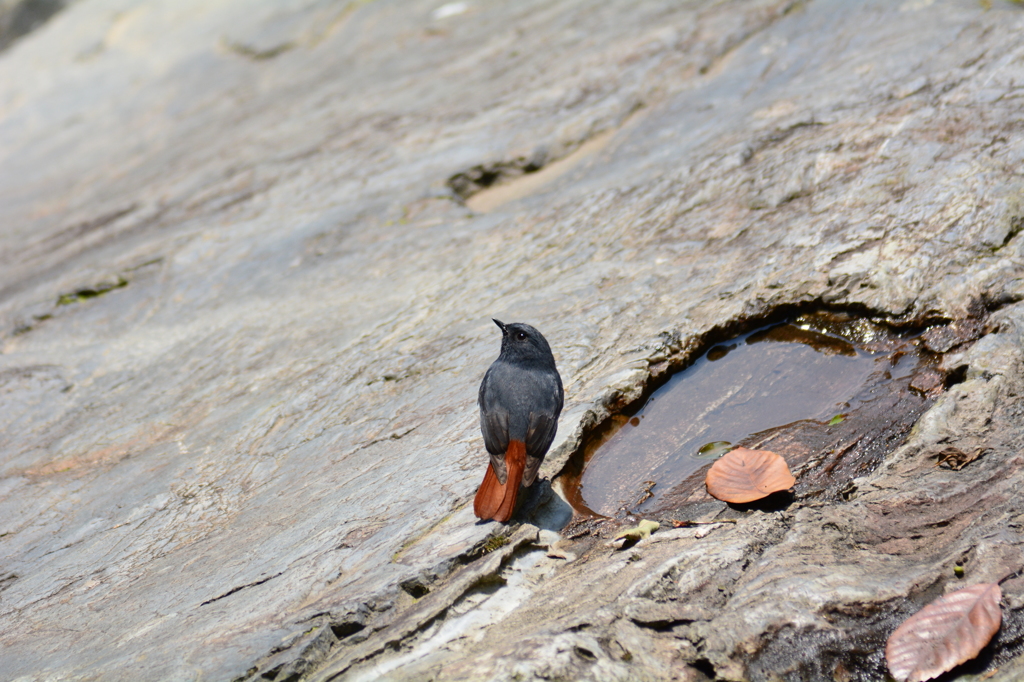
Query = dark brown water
x=817 y=371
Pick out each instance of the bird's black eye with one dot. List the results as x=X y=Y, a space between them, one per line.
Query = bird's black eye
x=521 y=336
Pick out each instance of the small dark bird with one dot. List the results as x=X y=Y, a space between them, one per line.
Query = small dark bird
x=520 y=400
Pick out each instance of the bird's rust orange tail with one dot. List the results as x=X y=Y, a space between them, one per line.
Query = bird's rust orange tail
x=489 y=496
x=497 y=501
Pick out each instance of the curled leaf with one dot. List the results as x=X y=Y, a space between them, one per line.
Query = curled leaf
x=633 y=535
x=838 y=419
x=744 y=475
x=956 y=459
x=714 y=449
x=945 y=633
x=559 y=551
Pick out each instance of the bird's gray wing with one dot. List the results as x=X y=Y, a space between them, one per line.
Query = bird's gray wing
x=543 y=425
x=494 y=426
x=538 y=439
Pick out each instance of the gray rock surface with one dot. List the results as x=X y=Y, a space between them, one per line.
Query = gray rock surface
x=243 y=315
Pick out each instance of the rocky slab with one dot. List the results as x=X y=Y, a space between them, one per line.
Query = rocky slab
x=247 y=266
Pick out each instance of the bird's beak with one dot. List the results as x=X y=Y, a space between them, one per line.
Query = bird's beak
x=501 y=326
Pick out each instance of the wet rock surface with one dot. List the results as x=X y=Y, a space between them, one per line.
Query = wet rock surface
x=244 y=309
x=831 y=393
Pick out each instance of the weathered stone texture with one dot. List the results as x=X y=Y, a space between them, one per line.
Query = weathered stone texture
x=243 y=315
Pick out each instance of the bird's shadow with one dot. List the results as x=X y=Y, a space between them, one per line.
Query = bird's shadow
x=540 y=505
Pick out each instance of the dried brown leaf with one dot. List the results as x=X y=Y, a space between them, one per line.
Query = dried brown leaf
x=945 y=633
x=744 y=475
